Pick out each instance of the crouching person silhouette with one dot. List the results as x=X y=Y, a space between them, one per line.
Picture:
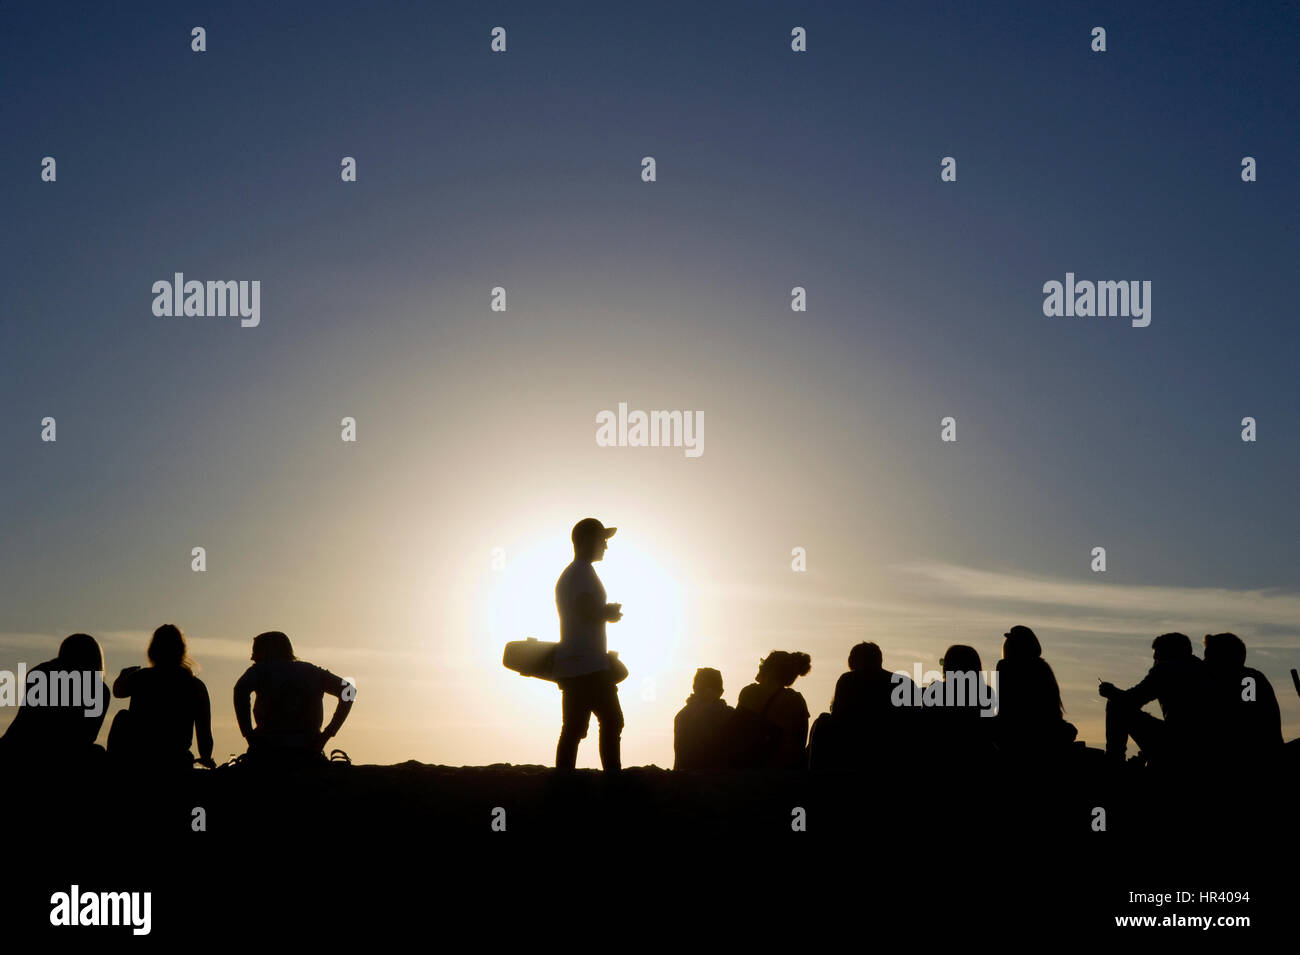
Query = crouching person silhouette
x=582 y=667
x=289 y=706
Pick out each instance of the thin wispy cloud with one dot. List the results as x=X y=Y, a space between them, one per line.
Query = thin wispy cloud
x=134 y=643
x=1118 y=608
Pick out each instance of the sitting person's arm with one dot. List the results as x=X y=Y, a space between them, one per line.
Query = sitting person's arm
x=243 y=714
x=122 y=685
x=1270 y=718
x=842 y=690
x=90 y=725
x=346 y=691
x=1137 y=696
x=681 y=744
x=203 y=724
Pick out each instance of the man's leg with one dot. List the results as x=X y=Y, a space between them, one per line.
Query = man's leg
x=1147 y=731
x=1119 y=718
x=576 y=713
x=1151 y=735
x=610 y=715
x=1124 y=720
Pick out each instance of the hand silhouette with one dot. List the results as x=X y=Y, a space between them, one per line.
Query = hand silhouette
x=613 y=613
x=1107 y=690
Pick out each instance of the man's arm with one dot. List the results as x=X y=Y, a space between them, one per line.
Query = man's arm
x=841 y=688
x=243 y=715
x=203 y=724
x=1136 y=696
x=122 y=685
x=91 y=725
x=1271 y=721
x=346 y=691
x=592 y=611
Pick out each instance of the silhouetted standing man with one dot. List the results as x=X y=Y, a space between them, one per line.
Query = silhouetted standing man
x=582 y=660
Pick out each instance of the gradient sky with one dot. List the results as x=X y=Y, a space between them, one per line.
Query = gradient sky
x=476 y=428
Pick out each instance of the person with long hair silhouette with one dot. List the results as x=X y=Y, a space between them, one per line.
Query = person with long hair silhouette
x=1031 y=717
x=169 y=708
x=956 y=708
x=582 y=667
x=770 y=701
x=289 y=708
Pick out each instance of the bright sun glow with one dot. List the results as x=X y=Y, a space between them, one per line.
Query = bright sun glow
x=646 y=639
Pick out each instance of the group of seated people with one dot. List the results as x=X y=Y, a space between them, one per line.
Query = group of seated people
x=1214 y=707
x=170 y=708
x=767 y=729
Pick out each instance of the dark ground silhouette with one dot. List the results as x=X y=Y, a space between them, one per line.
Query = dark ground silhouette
x=916 y=839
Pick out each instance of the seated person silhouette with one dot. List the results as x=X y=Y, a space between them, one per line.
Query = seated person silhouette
x=701 y=726
x=1177 y=679
x=1031 y=717
x=289 y=707
x=169 y=707
x=1245 y=720
x=864 y=725
x=771 y=703
x=955 y=726
x=63 y=708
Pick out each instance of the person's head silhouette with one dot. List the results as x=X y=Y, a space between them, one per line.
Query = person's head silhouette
x=1171 y=646
x=81 y=652
x=1225 y=650
x=865 y=656
x=272 y=645
x=960 y=658
x=589 y=538
x=1021 y=643
x=167 y=648
x=708 y=683
x=783 y=668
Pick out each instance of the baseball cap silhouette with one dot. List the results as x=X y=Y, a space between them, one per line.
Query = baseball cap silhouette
x=589 y=529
